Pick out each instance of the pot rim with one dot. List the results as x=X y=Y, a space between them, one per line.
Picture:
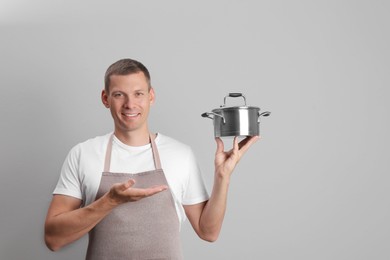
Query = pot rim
x=235 y=108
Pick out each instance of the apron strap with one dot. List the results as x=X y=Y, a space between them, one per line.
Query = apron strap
x=107 y=160
x=156 y=156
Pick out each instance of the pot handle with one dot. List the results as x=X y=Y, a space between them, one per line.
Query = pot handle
x=265 y=114
x=208 y=114
x=234 y=95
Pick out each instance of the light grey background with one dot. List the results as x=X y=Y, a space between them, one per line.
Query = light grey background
x=315 y=187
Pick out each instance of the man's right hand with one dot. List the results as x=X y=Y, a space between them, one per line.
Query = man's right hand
x=66 y=221
x=123 y=192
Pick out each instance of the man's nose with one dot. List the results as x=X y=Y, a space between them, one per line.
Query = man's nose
x=129 y=102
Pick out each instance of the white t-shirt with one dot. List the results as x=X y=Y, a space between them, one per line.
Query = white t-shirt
x=83 y=167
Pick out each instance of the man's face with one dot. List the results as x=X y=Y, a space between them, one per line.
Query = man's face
x=129 y=101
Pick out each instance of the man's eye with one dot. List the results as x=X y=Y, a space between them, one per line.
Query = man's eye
x=139 y=94
x=117 y=94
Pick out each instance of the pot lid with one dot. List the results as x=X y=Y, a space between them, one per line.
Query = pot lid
x=235 y=95
x=235 y=108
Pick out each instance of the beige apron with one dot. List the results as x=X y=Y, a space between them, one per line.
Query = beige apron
x=145 y=229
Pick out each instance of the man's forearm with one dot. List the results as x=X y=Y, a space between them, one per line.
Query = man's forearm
x=214 y=212
x=66 y=227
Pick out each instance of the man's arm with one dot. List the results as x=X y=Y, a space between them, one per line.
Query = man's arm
x=67 y=222
x=206 y=218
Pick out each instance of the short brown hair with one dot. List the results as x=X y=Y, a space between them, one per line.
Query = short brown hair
x=125 y=67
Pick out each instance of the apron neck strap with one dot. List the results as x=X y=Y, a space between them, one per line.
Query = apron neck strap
x=156 y=156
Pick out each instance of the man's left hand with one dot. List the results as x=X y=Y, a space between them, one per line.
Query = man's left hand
x=225 y=162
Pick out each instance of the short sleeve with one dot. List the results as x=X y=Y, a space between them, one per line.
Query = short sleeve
x=69 y=182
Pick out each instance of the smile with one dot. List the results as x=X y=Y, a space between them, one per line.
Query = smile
x=130 y=115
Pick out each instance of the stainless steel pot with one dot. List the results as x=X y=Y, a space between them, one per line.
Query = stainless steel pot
x=236 y=120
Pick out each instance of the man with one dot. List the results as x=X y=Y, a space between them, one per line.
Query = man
x=150 y=183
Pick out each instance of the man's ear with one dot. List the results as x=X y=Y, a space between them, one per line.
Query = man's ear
x=152 y=96
x=105 y=98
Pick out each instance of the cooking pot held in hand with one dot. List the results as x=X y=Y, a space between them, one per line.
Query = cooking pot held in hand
x=236 y=120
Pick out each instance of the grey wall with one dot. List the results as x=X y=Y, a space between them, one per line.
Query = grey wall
x=315 y=187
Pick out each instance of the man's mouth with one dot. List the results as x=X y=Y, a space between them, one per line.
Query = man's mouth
x=130 y=115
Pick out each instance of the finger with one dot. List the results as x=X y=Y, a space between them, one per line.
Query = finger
x=235 y=144
x=220 y=146
x=164 y=187
x=156 y=189
x=142 y=193
x=247 y=139
x=247 y=142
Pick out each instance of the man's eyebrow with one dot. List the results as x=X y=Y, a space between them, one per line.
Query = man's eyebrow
x=116 y=90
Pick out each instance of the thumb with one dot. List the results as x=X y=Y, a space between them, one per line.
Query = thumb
x=127 y=184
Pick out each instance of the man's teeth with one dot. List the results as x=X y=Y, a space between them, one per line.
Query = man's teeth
x=131 y=115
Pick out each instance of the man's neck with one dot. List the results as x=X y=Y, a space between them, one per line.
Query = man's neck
x=136 y=138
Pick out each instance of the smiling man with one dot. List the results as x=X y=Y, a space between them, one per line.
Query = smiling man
x=129 y=98
x=132 y=189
